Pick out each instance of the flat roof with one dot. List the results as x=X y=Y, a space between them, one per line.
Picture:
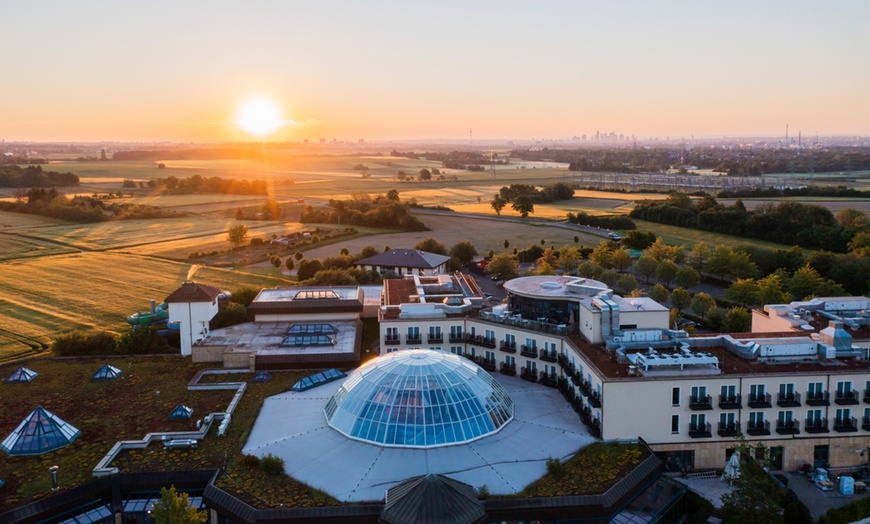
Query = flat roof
x=554 y=287
x=544 y=426
x=265 y=338
x=291 y=294
x=637 y=304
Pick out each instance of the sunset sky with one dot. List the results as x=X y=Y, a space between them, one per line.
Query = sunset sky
x=181 y=70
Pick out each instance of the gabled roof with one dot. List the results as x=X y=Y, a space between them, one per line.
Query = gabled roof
x=432 y=499
x=193 y=292
x=21 y=374
x=107 y=372
x=405 y=258
x=181 y=412
x=42 y=431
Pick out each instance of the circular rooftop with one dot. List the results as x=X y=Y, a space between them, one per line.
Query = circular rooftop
x=551 y=286
x=419 y=398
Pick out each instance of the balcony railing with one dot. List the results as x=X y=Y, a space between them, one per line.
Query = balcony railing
x=481 y=341
x=759 y=401
x=414 y=339
x=700 y=430
x=548 y=355
x=529 y=351
x=730 y=401
x=819 y=425
x=847 y=398
x=456 y=338
x=585 y=387
x=818 y=399
x=486 y=363
x=534 y=325
x=791 y=427
x=392 y=341
x=867 y=396
x=865 y=423
x=528 y=374
x=759 y=428
x=435 y=339
x=846 y=425
x=788 y=400
x=507 y=347
x=595 y=399
x=728 y=429
x=509 y=369
x=549 y=379
x=701 y=403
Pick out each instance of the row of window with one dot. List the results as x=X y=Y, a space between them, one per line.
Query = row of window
x=784 y=419
x=434 y=333
x=815 y=390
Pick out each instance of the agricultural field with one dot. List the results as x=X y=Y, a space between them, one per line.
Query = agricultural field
x=834 y=205
x=12 y=247
x=688 y=237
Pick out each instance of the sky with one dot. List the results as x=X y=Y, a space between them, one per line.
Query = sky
x=391 y=70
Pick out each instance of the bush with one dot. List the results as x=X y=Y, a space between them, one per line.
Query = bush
x=229 y=314
x=142 y=340
x=555 y=467
x=483 y=492
x=245 y=295
x=250 y=461
x=272 y=465
x=85 y=343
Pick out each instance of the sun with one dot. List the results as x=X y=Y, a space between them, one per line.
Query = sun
x=259 y=117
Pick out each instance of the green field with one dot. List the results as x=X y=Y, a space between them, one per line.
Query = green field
x=687 y=237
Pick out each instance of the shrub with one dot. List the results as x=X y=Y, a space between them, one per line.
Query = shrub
x=245 y=295
x=80 y=343
x=141 y=341
x=483 y=492
x=250 y=461
x=555 y=467
x=272 y=465
x=229 y=314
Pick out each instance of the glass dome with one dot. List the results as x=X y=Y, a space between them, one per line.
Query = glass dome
x=419 y=398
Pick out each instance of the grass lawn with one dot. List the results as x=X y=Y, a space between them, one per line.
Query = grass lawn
x=105 y=412
x=593 y=470
x=687 y=237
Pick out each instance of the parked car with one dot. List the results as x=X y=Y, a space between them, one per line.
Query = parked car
x=616 y=237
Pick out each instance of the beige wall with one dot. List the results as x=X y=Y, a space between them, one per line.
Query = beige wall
x=645 y=319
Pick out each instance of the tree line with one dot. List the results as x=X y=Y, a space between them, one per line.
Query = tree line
x=189 y=154
x=50 y=203
x=198 y=184
x=34 y=176
x=363 y=209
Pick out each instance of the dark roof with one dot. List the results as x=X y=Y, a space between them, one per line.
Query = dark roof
x=405 y=258
x=193 y=292
x=432 y=499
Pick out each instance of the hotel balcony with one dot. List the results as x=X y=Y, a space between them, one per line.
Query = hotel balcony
x=867 y=396
x=507 y=347
x=515 y=319
x=566 y=364
x=865 y=423
x=508 y=369
x=486 y=363
x=585 y=387
x=392 y=341
x=792 y=400
x=529 y=351
x=528 y=374
x=701 y=403
x=456 y=338
x=700 y=430
x=847 y=425
x=414 y=340
x=729 y=429
x=478 y=340
x=759 y=401
x=847 y=398
x=730 y=401
x=818 y=399
x=757 y=429
x=816 y=426
x=548 y=355
x=548 y=379
x=594 y=400
x=792 y=427
x=435 y=339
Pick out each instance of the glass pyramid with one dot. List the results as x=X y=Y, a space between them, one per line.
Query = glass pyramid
x=21 y=374
x=262 y=376
x=107 y=372
x=181 y=412
x=42 y=431
x=419 y=398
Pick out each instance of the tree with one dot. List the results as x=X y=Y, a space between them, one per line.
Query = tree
x=680 y=299
x=603 y=254
x=393 y=195
x=758 y=497
x=275 y=260
x=289 y=264
x=401 y=176
x=770 y=290
x=626 y=284
x=174 y=508
x=745 y=291
x=239 y=214
x=503 y=267
x=497 y=204
x=236 y=235
x=609 y=277
x=308 y=268
x=714 y=318
x=621 y=260
x=737 y=320
x=299 y=255
x=463 y=251
x=576 y=239
x=424 y=174
x=699 y=256
x=507 y=243
x=666 y=271
x=702 y=303
x=659 y=293
x=661 y=251
x=432 y=246
x=687 y=277
x=646 y=267
x=638 y=239
x=334 y=277
x=543 y=268
x=523 y=205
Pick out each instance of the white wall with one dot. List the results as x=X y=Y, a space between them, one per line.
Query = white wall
x=193 y=318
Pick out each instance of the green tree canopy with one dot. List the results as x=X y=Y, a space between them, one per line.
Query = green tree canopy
x=503 y=266
x=666 y=272
x=646 y=267
x=687 y=277
x=702 y=303
x=431 y=245
x=523 y=205
x=463 y=251
x=236 y=235
x=497 y=204
x=680 y=299
x=659 y=293
x=174 y=508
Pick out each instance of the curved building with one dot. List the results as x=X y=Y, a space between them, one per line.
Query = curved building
x=419 y=398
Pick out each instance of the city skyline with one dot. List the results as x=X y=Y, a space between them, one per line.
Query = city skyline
x=100 y=71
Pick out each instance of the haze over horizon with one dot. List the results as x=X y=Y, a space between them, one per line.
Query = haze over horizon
x=98 y=70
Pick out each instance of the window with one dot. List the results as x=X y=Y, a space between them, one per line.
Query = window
x=509 y=339
x=434 y=332
x=413 y=334
x=728 y=420
x=785 y=419
x=756 y=392
x=699 y=394
x=489 y=356
x=471 y=351
x=698 y=422
x=312 y=329
x=392 y=335
x=786 y=391
x=675 y=424
x=814 y=417
x=866 y=415
x=675 y=397
x=489 y=334
x=756 y=419
x=509 y=360
x=456 y=350
x=815 y=390
x=455 y=332
x=533 y=344
x=844 y=389
x=315 y=295
x=680 y=460
x=532 y=366
x=729 y=392
x=844 y=416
